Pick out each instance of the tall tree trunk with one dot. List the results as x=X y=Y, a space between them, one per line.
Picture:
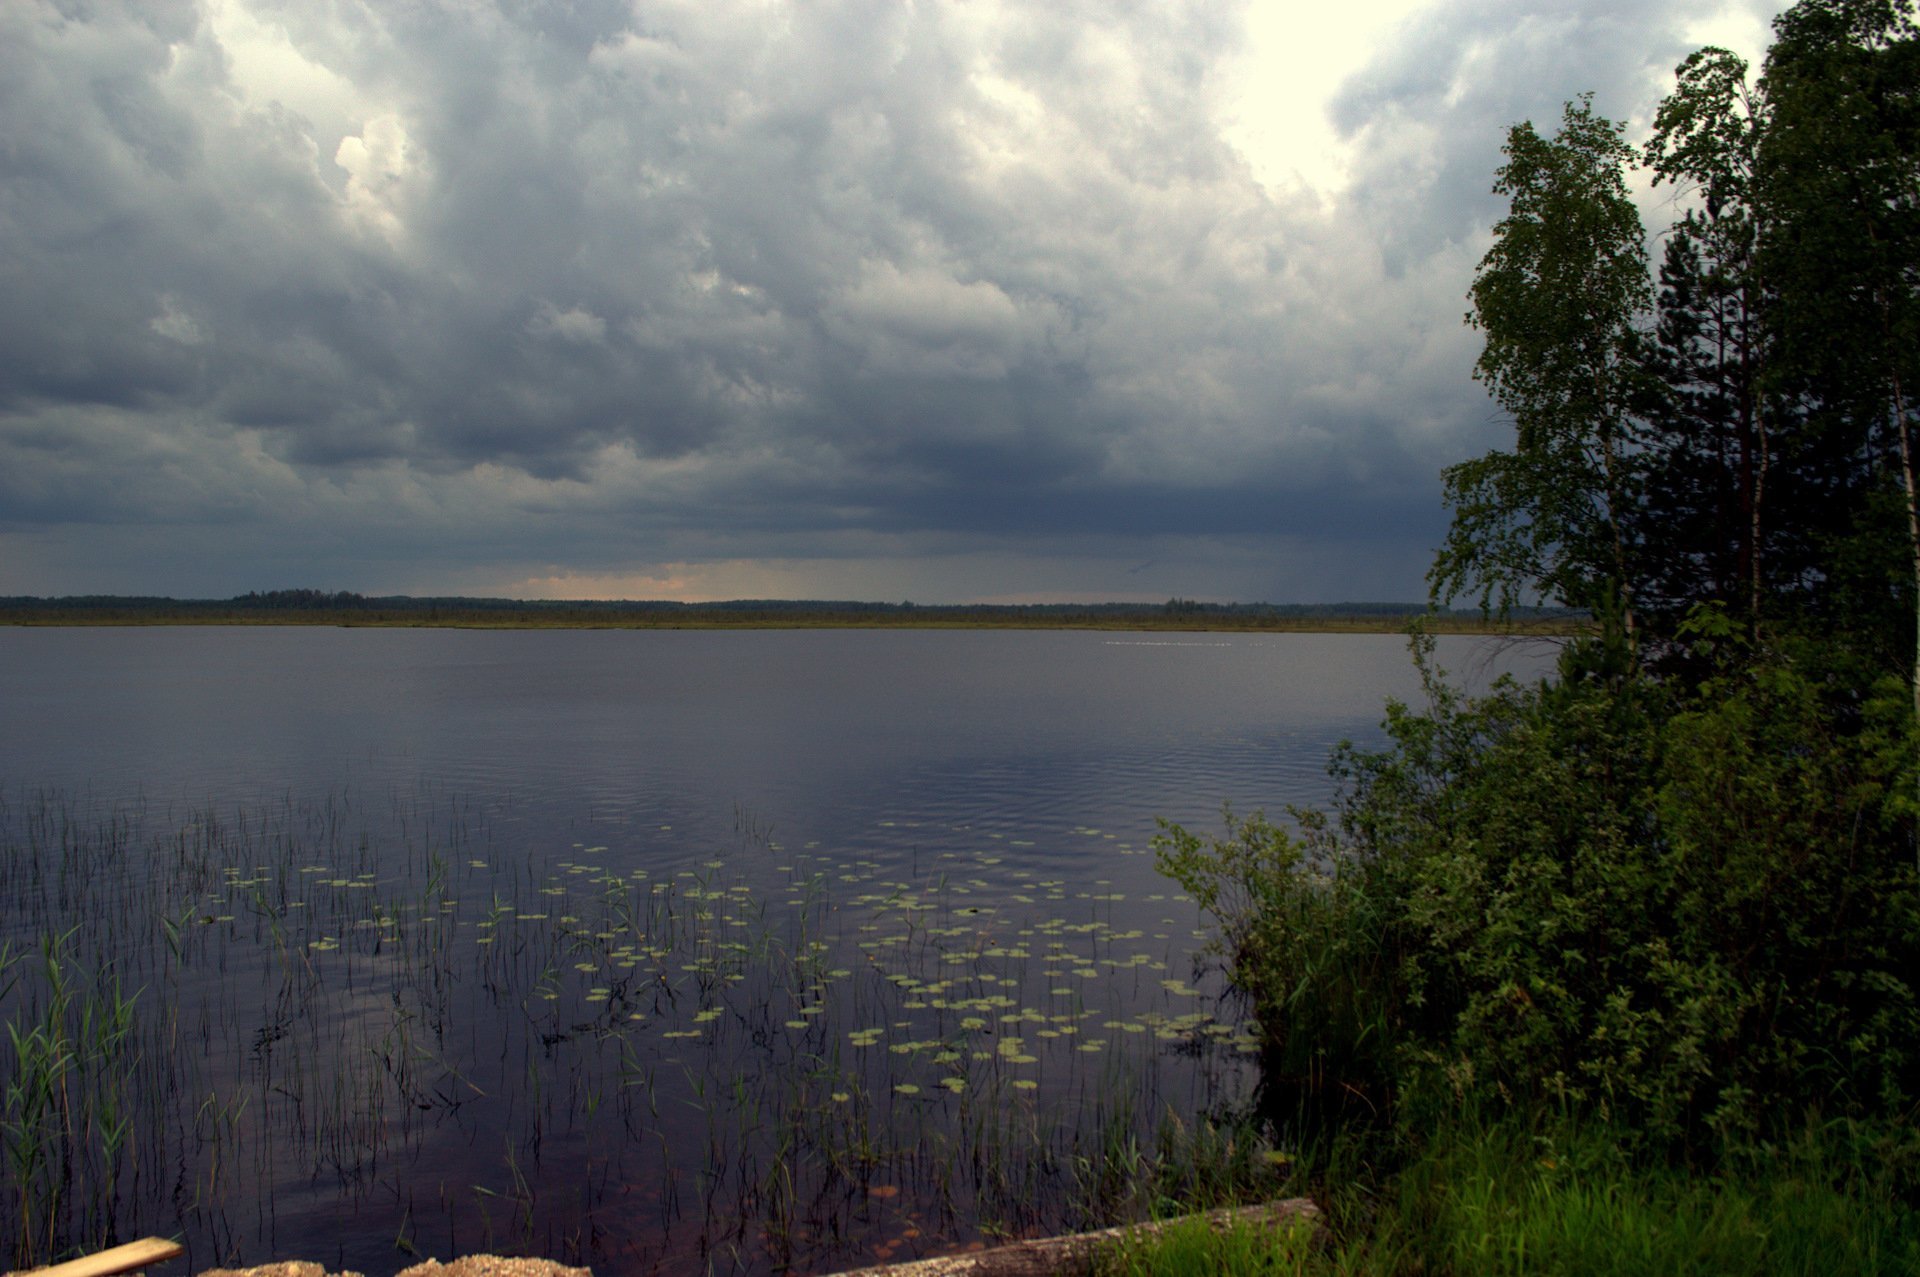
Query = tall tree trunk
x=1753 y=460
x=1903 y=432
x=1614 y=500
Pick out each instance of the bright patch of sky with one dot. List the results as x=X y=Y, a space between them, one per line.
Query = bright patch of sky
x=1280 y=84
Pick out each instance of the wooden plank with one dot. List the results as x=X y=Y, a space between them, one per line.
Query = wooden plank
x=121 y=1259
x=1050 y=1256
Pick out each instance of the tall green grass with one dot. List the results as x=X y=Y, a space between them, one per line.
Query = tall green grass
x=1501 y=1198
x=66 y=1104
x=1515 y=1197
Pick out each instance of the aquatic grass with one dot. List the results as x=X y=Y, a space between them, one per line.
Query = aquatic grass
x=746 y=1042
x=66 y=1109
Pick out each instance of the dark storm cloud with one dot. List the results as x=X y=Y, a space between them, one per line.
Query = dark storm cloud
x=436 y=290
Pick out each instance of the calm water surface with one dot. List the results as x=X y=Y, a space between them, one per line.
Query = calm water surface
x=826 y=732
x=757 y=951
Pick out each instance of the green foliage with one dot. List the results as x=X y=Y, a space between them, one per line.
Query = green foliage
x=1680 y=896
x=1746 y=437
x=1839 y=165
x=1656 y=919
x=1558 y=297
x=1685 y=912
x=1303 y=936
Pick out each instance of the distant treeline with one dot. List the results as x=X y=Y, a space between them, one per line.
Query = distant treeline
x=343 y=607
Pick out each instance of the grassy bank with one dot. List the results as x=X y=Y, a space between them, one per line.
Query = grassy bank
x=1522 y=1197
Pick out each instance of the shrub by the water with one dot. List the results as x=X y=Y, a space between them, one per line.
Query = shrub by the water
x=1596 y=976
x=1670 y=898
x=1695 y=915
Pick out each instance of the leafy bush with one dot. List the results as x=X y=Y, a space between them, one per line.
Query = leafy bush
x=1683 y=913
x=1304 y=937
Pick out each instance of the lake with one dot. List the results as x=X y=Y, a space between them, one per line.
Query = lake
x=757 y=951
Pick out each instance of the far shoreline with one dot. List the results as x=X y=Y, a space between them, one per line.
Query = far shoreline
x=929 y=618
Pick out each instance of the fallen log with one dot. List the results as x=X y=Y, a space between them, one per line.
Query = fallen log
x=120 y=1259
x=1050 y=1256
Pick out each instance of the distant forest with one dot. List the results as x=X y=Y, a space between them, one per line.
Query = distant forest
x=322 y=607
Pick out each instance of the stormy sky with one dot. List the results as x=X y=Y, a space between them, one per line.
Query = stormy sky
x=977 y=300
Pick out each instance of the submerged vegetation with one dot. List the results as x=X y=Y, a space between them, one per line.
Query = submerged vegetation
x=366 y=1034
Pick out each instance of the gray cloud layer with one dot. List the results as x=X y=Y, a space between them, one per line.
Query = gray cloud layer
x=843 y=298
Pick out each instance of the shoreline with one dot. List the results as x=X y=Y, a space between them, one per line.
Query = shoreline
x=1556 y=627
